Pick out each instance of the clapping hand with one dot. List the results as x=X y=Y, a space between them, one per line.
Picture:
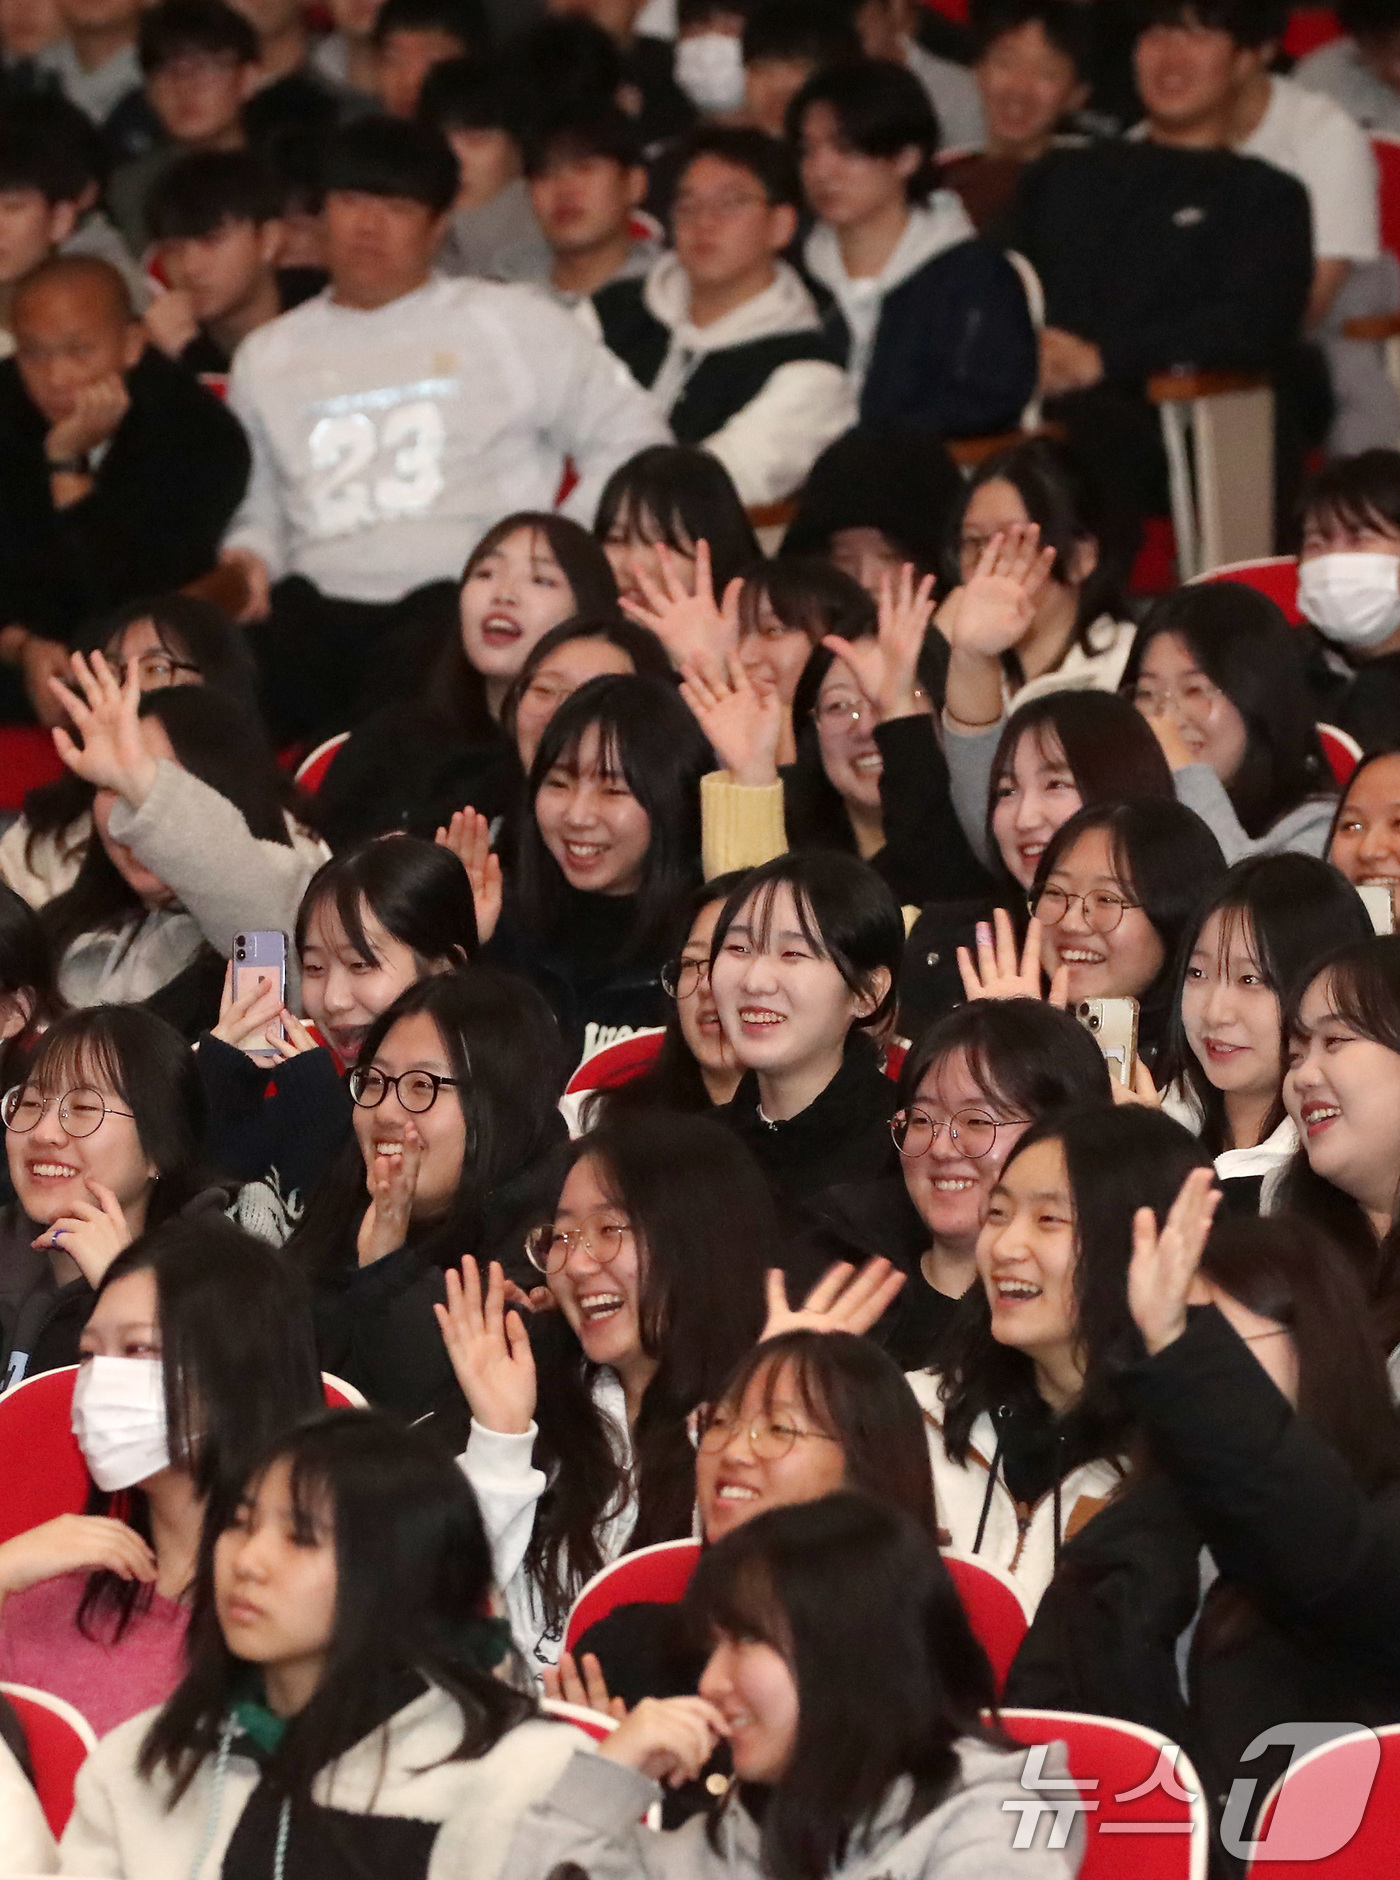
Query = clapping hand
x=843 y=1300
x=392 y=1181
x=112 y=755
x=743 y=721
x=490 y=1350
x=998 y=974
x=468 y=835
x=687 y=625
x=1164 y=1263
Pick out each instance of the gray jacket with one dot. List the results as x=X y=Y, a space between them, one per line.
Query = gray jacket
x=1302 y=831
x=592 y=1816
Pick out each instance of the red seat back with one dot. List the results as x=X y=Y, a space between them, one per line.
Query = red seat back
x=1386 y=147
x=592 y=1722
x=655 y=1575
x=27 y=759
x=1308 y=29
x=1160 y=1834
x=1274 y=575
x=41 y=1464
x=1348 y=1789
x=58 y=1739
x=1342 y=752
x=311 y=771
x=616 y=1063
x=994 y=1609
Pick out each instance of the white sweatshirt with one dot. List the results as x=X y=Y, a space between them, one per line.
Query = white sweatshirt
x=386 y=443
x=508 y=1488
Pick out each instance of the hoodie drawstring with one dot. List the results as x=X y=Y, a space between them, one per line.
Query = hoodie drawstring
x=216 y=1796
x=284 y=1831
x=991 y=1486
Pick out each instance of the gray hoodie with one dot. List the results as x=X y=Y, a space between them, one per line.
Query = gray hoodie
x=592 y=1816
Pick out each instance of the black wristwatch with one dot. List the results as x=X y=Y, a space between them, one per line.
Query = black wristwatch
x=69 y=466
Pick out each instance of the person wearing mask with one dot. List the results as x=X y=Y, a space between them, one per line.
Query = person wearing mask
x=1216 y=671
x=1032 y=68
x=586 y=181
x=493 y=233
x=341 y=1727
x=1257 y=935
x=709 y=64
x=117 y=472
x=360 y=557
x=934 y=323
x=722 y=331
x=197 y=1351
x=1349 y=588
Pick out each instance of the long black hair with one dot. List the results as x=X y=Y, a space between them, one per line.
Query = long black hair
x=456 y=690
x=855 y=1597
x=855 y=1393
x=418 y=891
x=28 y=981
x=1118 y=1158
x=1059 y=494
x=217 y=741
x=702 y=1270
x=680 y=495
x=413 y=1583
x=238 y=1357
x=1290 y=910
x=672 y=1081
x=190 y=632
x=648 y=738
x=1363 y=982
x=150 y=1068
x=1241 y=641
x=1167 y=859
x=504 y=1049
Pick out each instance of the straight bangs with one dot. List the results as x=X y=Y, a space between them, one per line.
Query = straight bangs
x=310 y=1492
x=741 y=1604
x=638 y=517
x=1364 y=1000
x=611 y=762
x=760 y=902
x=74 y=1059
x=332 y=885
x=792 y=1369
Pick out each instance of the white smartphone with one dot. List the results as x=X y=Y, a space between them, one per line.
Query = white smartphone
x=260 y=958
x=1113 y=1024
x=1380 y=905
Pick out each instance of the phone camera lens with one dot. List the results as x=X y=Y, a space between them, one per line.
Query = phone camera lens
x=1094 y=1022
x=242 y=953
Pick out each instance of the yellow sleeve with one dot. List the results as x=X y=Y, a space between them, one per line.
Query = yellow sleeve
x=741 y=824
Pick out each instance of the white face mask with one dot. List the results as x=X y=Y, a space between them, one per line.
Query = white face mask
x=1354 y=599
x=710 y=71
x=119 y=1420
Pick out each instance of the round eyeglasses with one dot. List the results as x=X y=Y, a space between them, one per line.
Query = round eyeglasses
x=80 y=1111
x=768 y=1440
x=417 y=1091
x=681 y=978
x=970 y=1132
x=1103 y=909
x=548 y=1247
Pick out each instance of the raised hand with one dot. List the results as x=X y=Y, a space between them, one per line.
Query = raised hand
x=107 y=716
x=1164 y=1264
x=843 y=1300
x=582 y=1683
x=259 y=1024
x=996 y=605
x=887 y=667
x=94 y=1233
x=74 y=1543
x=686 y=624
x=669 y=1739
x=392 y=1181
x=490 y=1350
x=998 y=973
x=468 y=835
x=743 y=721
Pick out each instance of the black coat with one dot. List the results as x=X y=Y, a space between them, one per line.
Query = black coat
x=1299 y=1626
x=161 y=499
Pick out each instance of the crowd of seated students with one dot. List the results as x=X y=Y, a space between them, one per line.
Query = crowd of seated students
x=816 y=1020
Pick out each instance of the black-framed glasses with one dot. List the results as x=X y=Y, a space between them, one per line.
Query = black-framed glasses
x=681 y=978
x=548 y=1248
x=971 y=1132
x=80 y=1111
x=1103 y=909
x=769 y=1440
x=417 y=1091
x=154 y=671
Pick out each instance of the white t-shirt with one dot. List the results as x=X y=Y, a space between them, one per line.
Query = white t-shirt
x=1313 y=138
x=385 y=443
